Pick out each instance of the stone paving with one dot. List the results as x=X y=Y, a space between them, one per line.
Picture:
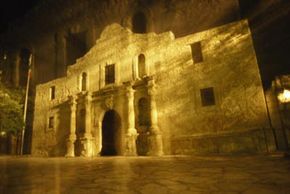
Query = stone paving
x=153 y=175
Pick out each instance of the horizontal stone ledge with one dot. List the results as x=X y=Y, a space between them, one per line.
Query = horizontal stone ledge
x=221 y=134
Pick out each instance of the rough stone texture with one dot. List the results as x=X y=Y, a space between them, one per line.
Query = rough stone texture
x=230 y=67
x=236 y=123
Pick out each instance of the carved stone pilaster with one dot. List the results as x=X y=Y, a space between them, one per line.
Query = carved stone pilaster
x=87 y=141
x=72 y=133
x=88 y=120
x=131 y=133
x=155 y=138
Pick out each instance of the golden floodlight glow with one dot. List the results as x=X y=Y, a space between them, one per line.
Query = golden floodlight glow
x=284 y=97
x=3 y=133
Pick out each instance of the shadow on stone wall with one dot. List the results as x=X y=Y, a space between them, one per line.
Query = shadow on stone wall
x=61 y=132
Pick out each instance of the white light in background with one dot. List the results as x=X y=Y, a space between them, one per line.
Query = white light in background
x=284 y=97
x=3 y=133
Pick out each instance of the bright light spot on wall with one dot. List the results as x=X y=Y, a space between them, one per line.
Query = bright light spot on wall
x=284 y=97
x=3 y=133
x=5 y=57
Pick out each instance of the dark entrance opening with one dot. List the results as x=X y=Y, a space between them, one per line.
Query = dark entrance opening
x=111 y=125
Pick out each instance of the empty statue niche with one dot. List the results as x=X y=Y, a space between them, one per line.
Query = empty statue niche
x=76 y=46
x=139 y=23
x=143 y=124
x=84 y=82
x=141 y=66
x=111 y=128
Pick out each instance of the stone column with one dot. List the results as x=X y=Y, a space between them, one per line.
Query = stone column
x=131 y=133
x=155 y=139
x=72 y=134
x=88 y=140
x=88 y=121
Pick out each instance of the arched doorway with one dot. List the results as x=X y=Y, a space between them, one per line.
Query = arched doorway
x=111 y=126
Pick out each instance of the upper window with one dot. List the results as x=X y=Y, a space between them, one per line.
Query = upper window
x=52 y=92
x=207 y=96
x=196 y=52
x=141 y=66
x=110 y=74
x=139 y=23
x=84 y=82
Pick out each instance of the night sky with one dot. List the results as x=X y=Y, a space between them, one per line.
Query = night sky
x=13 y=9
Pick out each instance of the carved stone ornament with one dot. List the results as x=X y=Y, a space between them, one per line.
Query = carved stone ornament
x=109 y=102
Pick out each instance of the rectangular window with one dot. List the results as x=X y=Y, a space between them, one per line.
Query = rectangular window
x=110 y=74
x=52 y=92
x=196 y=52
x=51 y=122
x=207 y=97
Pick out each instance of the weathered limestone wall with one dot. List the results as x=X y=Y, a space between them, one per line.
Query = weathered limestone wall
x=46 y=141
x=237 y=120
x=234 y=123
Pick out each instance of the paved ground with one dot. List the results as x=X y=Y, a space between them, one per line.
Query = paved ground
x=235 y=174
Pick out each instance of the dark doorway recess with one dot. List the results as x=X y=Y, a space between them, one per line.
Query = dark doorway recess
x=111 y=125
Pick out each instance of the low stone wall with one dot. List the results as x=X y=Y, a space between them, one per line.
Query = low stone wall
x=252 y=141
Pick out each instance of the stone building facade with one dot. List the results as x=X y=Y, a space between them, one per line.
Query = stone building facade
x=163 y=77
x=154 y=94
